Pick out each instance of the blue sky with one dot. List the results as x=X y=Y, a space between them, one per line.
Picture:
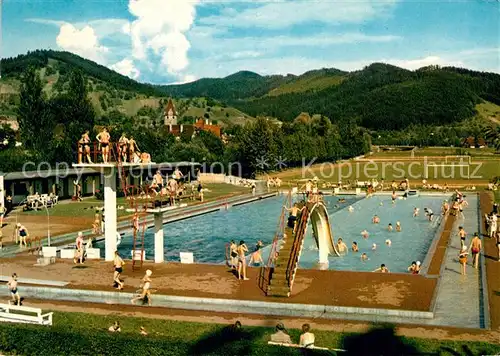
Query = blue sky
x=174 y=41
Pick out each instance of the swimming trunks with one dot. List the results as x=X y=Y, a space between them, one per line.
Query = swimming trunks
x=119 y=269
x=291 y=221
x=475 y=250
x=22 y=233
x=104 y=144
x=14 y=291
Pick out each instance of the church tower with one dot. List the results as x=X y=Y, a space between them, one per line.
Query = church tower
x=170 y=114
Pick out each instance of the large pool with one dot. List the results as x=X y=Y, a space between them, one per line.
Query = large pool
x=207 y=235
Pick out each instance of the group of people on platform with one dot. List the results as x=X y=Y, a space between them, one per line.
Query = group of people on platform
x=127 y=148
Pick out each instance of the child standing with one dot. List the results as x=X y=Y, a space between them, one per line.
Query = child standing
x=462 y=258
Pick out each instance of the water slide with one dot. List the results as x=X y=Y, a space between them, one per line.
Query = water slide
x=322 y=231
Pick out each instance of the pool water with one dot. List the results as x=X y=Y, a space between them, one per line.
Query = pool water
x=411 y=244
x=206 y=236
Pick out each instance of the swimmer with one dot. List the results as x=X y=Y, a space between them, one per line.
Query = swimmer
x=375 y=219
x=364 y=257
x=388 y=242
x=398 y=226
x=429 y=213
x=351 y=209
x=393 y=196
x=413 y=268
x=365 y=234
x=382 y=269
x=415 y=211
x=354 y=247
x=389 y=227
x=341 y=246
x=374 y=247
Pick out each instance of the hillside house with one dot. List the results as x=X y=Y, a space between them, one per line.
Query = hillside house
x=170 y=121
x=471 y=142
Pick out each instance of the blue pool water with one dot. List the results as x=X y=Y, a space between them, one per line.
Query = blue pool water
x=207 y=235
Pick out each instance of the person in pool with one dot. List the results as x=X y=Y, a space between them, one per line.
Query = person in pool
x=398 y=226
x=389 y=227
x=393 y=196
x=341 y=246
x=475 y=248
x=375 y=219
x=374 y=247
x=364 y=257
x=351 y=209
x=413 y=268
x=365 y=234
x=354 y=247
x=415 y=211
x=429 y=213
x=388 y=242
x=382 y=269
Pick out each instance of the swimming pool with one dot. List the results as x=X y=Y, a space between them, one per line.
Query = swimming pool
x=207 y=235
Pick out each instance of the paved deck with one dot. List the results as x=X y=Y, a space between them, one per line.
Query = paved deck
x=458 y=296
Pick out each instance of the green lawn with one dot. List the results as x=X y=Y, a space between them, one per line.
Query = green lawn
x=394 y=170
x=483 y=153
x=86 y=334
x=86 y=207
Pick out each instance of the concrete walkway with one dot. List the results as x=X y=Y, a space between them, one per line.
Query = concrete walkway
x=458 y=298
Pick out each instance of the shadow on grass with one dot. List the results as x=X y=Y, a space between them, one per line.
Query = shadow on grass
x=229 y=340
x=378 y=341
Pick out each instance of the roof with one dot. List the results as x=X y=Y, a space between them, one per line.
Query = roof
x=63 y=172
x=170 y=105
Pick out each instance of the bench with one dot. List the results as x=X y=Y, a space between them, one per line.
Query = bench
x=300 y=347
x=26 y=315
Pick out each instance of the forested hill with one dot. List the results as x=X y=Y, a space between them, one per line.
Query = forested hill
x=380 y=96
x=66 y=61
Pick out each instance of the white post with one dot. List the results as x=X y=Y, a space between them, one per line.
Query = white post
x=159 y=248
x=110 y=213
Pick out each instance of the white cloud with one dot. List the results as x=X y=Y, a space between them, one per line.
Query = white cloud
x=160 y=26
x=83 y=42
x=280 y=14
x=127 y=68
x=413 y=64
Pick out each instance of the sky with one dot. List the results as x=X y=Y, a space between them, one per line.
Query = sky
x=178 y=41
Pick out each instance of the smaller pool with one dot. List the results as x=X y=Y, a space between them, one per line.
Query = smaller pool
x=411 y=244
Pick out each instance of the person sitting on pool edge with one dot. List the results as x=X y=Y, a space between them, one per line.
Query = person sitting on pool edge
x=382 y=269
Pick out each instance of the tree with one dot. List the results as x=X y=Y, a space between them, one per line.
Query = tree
x=493 y=136
x=35 y=125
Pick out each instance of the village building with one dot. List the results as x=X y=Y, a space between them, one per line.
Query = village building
x=170 y=121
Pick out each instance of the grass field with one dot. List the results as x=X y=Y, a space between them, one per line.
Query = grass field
x=483 y=153
x=86 y=208
x=479 y=172
x=489 y=111
x=86 y=334
x=313 y=82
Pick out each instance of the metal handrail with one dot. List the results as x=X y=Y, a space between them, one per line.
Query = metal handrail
x=297 y=241
x=265 y=271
